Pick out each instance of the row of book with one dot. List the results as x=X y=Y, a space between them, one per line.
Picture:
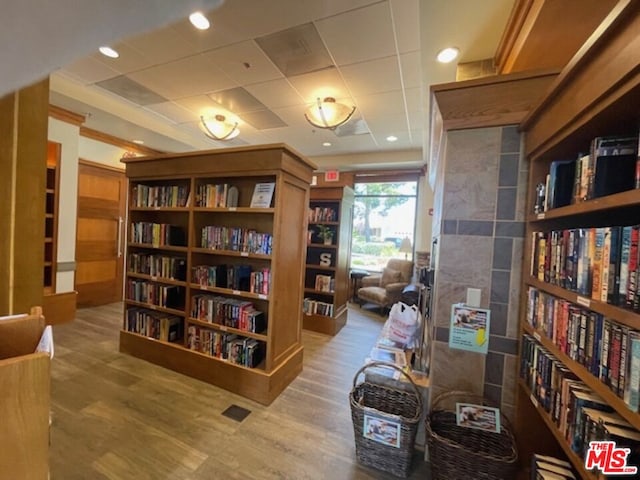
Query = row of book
x=601 y=263
x=311 y=306
x=580 y=415
x=168 y=296
x=216 y=195
x=167 y=328
x=160 y=195
x=155 y=265
x=230 y=312
x=157 y=234
x=611 y=166
x=610 y=351
x=325 y=283
x=236 y=239
x=322 y=214
x=235 y=277
x=544 y=467
x=226 y=346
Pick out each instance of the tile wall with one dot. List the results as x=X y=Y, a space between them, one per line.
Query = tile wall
x=479 y=196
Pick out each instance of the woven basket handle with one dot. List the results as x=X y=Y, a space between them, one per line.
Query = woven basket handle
x=393 y=367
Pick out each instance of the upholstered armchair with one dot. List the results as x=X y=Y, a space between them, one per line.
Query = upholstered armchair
x=385 y=289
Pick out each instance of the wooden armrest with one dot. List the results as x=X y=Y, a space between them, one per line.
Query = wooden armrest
x=395 y=287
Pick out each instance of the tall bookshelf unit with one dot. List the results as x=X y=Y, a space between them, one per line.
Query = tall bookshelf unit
x=51 y=217
x=213 y=289
x=597 y=94
x=326 y=311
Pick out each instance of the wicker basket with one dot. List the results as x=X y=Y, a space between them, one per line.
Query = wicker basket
x=461 y=453
x=385 y=421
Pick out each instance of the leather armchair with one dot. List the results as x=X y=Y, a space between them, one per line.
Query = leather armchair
x=386 y=288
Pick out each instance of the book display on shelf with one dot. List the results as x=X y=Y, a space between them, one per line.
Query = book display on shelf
x=329 y=217
x=580 y=331
x=202 y=277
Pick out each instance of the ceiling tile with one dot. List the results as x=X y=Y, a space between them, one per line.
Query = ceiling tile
x=131 y=90
x=411 y=72
x=296 y=50
x=172 y=111
x=374 y=76
x=381 y=104
x=202 y=105
x=237 y=100
x=129 y=60
x=359 y=35
x=186 y=77
x=406 y=21
x=244 y=63
x=88 y=70
x=325 y=83
x=161 y=45
x=263 y=120
x=275 y=93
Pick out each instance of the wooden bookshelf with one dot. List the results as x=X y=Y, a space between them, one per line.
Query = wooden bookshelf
x=221 y=239
x=332 y=208
x=597 y=94
x=51 y=217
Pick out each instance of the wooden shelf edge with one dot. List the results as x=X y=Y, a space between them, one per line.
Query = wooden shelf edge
x=155 y=308
x=228 y=291
x=321 y=245
x=169 y=281
x=587 y=377
x=324 y=324
x=223 y=328
x=234 y=210
x=310 y=266
x=168 y=248
x=319 y=292
x=621 y=315
x=573 y=457
x=159 y=209
x=230 y=253
x=629 y=198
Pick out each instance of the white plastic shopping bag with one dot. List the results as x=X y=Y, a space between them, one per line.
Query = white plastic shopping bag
x=404 y=321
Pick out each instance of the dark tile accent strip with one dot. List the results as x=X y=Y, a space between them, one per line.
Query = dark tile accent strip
x=499 y=319
x=494 y=368
x=508 y=176
x=475 y=227
x=506 y=209
x=234 y=412
x=502 y=250
x=493 y=394
x=500 y=284
x=503 y=345
x=450 y=227
x=510 y=140
x=510 y=229
x=442 y=334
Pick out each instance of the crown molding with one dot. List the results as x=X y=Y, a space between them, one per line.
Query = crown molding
x=67 y=116
x=117 y=142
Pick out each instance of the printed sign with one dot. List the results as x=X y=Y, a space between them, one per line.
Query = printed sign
x=382 y=431
x=469 y=328
x=609 y=459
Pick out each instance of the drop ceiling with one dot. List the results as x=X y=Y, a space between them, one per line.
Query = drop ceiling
x=262 y=62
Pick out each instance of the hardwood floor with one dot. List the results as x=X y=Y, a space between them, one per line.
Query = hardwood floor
x=119 y=418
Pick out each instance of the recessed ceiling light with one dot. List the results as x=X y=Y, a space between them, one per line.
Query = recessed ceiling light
x=326 y=144
x=138 y=142
x=109 y=52
x=199 y=21
x=448 y=54
x=392 y=138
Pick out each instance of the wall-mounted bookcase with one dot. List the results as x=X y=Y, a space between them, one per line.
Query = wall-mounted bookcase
x=214 y=282
x=52 y=186
x=577 y=327
x=326 y=290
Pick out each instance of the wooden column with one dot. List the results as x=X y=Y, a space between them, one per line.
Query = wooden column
x=23 y=153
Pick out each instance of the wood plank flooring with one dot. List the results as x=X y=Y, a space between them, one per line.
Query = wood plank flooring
x=119 y=418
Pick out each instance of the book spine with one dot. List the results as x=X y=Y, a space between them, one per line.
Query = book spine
x=605 y=268
x=625 y=249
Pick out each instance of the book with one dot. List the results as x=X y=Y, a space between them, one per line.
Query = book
x=561 y=182
x=262 y=195
x=615 y=165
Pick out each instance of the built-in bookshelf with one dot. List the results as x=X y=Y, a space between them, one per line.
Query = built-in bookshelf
x=326 y=290
x=214 y=238
x=52 y=187
x=580 y=328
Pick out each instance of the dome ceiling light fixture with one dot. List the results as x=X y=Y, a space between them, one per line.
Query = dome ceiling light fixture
x=328 y=113
x=219 y=128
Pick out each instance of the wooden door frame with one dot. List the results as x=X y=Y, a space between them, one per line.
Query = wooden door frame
x=122 y=214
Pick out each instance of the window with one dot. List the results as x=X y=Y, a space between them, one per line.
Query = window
x=384 y=216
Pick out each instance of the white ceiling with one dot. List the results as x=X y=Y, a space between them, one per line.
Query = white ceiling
x=380 y=59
